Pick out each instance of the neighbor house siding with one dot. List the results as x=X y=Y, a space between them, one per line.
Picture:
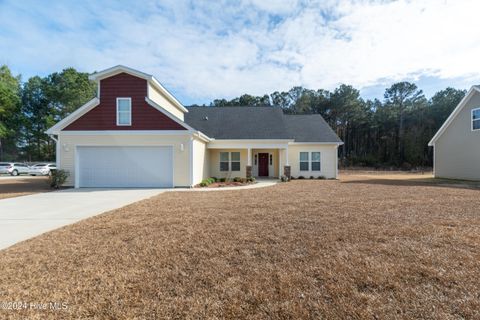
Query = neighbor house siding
x=457 y=150
x=181 y=159
x=328 y=160
x=104 y=116
x=200 y=166
x=214 y=159
x=162 y=101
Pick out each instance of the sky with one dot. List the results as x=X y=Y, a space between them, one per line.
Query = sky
x=203 y=50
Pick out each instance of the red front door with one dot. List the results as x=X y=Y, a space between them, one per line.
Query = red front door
x=263 y=164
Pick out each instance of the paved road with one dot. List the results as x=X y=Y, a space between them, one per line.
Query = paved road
x=24 y=217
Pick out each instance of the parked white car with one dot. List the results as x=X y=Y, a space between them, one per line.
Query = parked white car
x=14 y=168
x=41 y=169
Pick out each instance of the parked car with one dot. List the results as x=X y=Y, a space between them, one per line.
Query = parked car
x=14 y=168
x=42 y=169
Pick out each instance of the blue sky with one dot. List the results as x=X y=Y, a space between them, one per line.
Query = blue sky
x=201 y=50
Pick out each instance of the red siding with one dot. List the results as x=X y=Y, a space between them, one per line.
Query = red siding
x=104 y=117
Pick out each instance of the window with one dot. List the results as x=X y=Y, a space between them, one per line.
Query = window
x=124 y=111
x=224 y=161
x=235 y=161
x=229 y=161
x=315 y=161
x=255 y=159
x=303 y=161
x=271 y=159
x=476 y=119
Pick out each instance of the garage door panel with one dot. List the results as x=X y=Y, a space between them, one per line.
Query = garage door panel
x=125 y=166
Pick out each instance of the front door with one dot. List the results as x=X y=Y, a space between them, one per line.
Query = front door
x=263 y=164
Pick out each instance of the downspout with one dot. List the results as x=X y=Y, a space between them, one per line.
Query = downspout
x=57 y=154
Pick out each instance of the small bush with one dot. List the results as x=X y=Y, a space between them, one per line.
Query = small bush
x=321 y=177
x=251 y=179
x=57 y=178
x=301 y=177
x=237 y=179
x=208 y=181
x=214 y=179
x=222 y=179
x=284 y=179
x=312 y=177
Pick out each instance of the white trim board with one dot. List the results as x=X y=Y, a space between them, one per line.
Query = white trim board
x=316 y=143
x=124 y=132
x=454 y=114
x=158 y=107
x=73 y=116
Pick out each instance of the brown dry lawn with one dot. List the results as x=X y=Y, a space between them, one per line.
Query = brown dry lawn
x=22 y=186
x=365 y=247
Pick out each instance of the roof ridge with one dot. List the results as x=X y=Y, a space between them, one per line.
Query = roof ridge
x=218 y=107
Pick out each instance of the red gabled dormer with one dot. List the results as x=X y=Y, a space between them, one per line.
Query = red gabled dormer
x=126 y=101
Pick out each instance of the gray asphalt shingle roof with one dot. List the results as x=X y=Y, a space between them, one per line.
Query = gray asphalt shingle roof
x=310 y=128
x=259 y=123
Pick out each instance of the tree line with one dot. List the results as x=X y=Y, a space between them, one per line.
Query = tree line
x=28 y=109
x=393 y=131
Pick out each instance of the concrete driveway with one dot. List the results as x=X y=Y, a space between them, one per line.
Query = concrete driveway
x=28 y=216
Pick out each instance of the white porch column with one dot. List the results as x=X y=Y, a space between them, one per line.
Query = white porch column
x=280 y=164
x=249 y=156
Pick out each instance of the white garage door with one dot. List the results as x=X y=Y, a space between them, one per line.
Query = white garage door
x=125 y=167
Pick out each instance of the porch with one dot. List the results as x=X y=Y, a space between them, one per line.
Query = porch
x=254 y=160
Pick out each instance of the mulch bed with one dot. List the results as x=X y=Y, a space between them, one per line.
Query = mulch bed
x=311 y=249
x=227 y=184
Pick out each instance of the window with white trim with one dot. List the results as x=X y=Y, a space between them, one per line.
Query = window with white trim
x=315 y=161
x=476 y=119
x=235 y=161
x=229 y=161
x=124 y=111
x=224 y=161
x=303 y=161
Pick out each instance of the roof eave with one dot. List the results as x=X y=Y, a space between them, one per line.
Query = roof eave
x=452 y=116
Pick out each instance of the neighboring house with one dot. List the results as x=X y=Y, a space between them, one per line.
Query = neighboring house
x=136 y=134
x=457 y=143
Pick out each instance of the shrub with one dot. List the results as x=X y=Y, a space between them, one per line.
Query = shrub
x=237 y=179
x=301 y=177
x=321 y=177
x=57 y=178
x=251 y=179
x=214 y=178
x=222 y=179
x=284 y=179
x=208 y=181
x=312 y=177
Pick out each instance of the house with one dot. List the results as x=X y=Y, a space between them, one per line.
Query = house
x=457 y=142
x=137 y=134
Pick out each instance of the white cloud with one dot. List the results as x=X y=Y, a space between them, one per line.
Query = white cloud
x=223 y=49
